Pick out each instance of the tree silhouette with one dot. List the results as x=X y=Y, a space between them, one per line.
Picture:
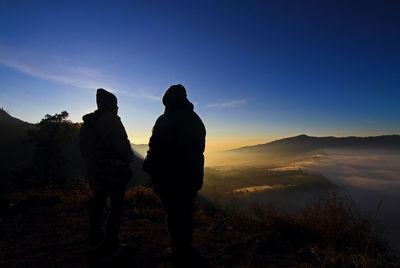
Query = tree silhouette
x=51 y=134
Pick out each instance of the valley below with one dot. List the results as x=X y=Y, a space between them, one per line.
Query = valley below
x=370 y=178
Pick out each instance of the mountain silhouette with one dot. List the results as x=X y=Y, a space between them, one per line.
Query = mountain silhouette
x=13 y=129
x=303 y=144
x=15 y=151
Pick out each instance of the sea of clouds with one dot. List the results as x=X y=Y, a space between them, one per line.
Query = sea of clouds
x=370 y=177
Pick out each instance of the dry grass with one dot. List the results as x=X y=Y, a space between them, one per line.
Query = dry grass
x=328 y=233
x=331 y=230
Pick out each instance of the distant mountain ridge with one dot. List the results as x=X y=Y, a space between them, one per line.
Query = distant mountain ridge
x=304 y=143
x=12 y=128
x=7 y=118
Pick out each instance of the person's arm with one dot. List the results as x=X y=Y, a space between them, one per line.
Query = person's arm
x=157 y=137
x=157 y=146
x=113 y=129
x=203 y=141
x=200 y=133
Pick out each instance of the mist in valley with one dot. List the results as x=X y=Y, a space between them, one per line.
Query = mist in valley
x=240 y=180
x=291 y=181
x=369 y=177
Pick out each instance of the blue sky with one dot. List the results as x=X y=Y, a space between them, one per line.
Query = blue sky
x=255 y=71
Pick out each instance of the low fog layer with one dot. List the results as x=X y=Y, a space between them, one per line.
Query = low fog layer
x=240 y=188
x=369 y=176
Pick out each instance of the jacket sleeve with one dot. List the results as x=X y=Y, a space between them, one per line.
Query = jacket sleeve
x=114 y=130
x=86 y=143
x=157 y=147
x=121 y=143
x=202 y=129
x=157 y=139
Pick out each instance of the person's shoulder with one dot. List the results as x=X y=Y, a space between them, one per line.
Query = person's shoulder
x=108 y=121
x=196 y=116
x=198 y=122
x=109 y=117
x=161 y=119
x=89 y=118
x=169 y=121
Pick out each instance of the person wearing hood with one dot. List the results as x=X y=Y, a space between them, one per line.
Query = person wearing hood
x=175 y=163
x=107 y=152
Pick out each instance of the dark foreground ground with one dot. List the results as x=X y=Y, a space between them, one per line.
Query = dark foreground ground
x=48 y=228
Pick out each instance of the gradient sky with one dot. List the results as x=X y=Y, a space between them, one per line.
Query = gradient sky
x=255 y=70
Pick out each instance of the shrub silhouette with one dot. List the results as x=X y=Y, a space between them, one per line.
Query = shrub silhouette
x=49 y=136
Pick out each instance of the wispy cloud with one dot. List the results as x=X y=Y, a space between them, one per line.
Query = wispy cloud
x=77 y=80
x=54 y=69
x=140 y=94
x=57 y=69
x=227 y=104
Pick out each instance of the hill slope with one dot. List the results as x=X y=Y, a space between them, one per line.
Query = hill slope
x=304 y=143
x=14 y=147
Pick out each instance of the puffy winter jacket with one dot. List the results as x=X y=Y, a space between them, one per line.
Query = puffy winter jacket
x=105 y=146
x=175 y=159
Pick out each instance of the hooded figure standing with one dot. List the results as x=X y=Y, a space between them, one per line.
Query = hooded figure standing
x=175 y=163
x=105 y=146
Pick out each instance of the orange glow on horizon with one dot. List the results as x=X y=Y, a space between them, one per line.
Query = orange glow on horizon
x=220 y=143
x=217 y=143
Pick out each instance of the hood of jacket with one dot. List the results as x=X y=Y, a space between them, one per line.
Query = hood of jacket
x=184 y=105
x=106 y=100
x=175 y=99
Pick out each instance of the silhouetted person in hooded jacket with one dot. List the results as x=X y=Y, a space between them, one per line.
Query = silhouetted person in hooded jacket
x=105 y=146
x=175 y=163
